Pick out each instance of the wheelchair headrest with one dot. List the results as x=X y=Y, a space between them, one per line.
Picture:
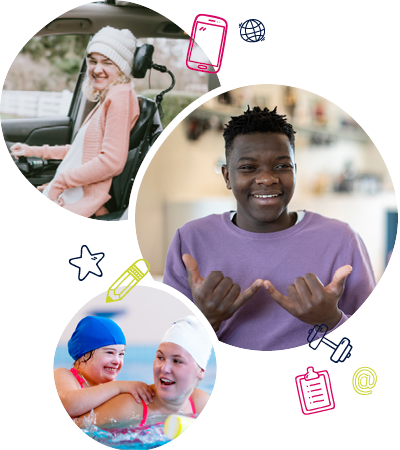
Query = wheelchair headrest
x=142 y=60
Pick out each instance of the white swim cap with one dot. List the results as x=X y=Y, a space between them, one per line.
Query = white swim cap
x=190 y=334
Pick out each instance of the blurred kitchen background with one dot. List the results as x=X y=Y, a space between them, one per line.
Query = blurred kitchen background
x=340 y=172
x=144 y=315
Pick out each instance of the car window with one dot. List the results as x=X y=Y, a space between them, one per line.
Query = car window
x=189 y=84
x=172 y=54
x=42 y=78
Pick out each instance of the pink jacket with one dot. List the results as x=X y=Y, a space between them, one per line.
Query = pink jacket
x=105 y=151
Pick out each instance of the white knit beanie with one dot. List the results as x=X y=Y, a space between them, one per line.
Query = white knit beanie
x=117 y=45
x=190 y=334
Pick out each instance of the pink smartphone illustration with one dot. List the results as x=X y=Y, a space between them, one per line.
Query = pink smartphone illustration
x=209 y=32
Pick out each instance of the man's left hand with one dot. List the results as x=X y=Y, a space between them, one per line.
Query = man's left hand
x=310 y=301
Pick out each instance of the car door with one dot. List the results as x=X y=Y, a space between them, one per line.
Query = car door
x=51 y=129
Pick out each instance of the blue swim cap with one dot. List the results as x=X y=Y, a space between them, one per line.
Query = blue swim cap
x=94 y=332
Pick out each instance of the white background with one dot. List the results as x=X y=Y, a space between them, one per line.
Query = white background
x=344 y=51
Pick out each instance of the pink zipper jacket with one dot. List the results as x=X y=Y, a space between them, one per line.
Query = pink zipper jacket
x=105 y=151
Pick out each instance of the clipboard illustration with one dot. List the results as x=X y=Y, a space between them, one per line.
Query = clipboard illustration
x=315 y=391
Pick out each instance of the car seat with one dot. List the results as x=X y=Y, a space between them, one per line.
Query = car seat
x=144 y=133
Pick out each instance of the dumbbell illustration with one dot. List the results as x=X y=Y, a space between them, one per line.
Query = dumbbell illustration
x=342 y=351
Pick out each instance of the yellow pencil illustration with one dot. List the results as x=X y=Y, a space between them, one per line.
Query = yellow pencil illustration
x=128 y=280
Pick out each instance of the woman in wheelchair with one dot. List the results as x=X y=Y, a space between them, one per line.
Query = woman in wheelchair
x=100 y=149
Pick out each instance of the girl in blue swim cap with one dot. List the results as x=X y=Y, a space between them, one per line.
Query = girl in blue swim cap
x=98 y=348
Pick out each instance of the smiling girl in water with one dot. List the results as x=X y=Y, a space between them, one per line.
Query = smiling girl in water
x=178 y=367
x=98 y=348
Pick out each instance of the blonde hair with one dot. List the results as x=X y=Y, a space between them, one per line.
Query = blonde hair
x=99 y=96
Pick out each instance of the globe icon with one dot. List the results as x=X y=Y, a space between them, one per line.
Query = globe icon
x=252 y=30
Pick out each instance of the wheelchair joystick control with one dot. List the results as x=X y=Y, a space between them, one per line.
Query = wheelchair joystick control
x=341 y=351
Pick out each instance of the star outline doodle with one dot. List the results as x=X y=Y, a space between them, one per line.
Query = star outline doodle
x=93 y=256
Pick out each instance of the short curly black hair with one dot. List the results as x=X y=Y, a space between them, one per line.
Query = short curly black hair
x=256 y=120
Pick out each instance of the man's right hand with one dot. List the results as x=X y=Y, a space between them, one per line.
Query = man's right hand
x=217 y=297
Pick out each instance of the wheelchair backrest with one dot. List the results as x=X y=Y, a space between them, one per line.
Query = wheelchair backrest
x=147 y=112
x=122 y=184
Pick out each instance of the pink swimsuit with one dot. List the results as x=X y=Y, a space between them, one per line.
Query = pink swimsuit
x=143 y=422
x=81 y=381
x=75 y=373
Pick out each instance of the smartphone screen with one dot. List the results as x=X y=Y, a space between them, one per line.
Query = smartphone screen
x=209 y=38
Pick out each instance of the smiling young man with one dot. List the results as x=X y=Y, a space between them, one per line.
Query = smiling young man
x=251 y=256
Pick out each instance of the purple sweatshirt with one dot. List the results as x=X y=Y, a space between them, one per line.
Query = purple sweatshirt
x=316 y=244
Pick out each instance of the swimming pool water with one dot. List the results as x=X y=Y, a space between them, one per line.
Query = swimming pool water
x=138 y=366
x=128 y=435
x=132 y=438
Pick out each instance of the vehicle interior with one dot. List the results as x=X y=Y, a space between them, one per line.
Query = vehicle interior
x=60 y=130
